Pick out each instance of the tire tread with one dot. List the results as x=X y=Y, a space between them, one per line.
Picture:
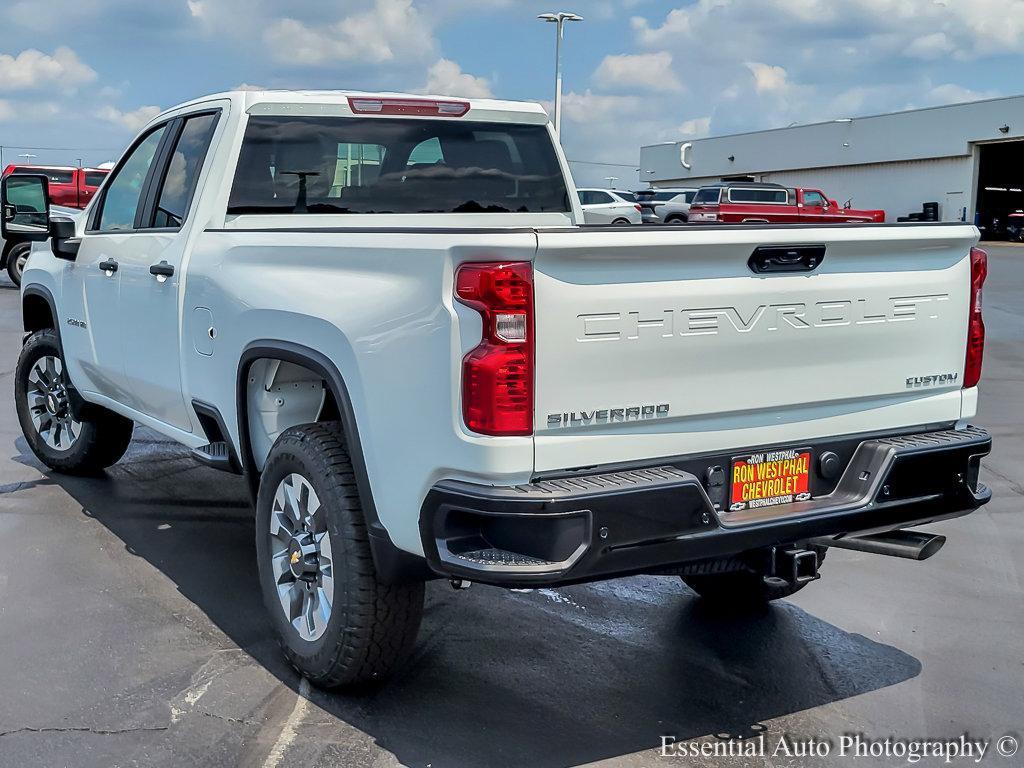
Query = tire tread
x=383 y=620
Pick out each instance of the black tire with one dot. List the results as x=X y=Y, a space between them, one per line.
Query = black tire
x=15 y=254
x=372 y=626
x=731 y=584
x=103 y=436
x=676 y=220
x=620 y=223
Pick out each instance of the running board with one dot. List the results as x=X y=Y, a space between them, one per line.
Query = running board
x=217 y=455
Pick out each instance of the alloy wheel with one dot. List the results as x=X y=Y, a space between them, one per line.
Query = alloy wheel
x=301 y=559
x=49 y=405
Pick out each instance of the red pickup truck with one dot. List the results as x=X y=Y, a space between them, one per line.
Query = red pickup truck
x=69 y=186
x=750 y=203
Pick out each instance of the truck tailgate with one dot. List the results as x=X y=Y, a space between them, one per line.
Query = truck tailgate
x=657 y=343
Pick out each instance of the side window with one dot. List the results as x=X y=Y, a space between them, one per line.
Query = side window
x=813 y=198
x=358 y=165
x=60 y=177
x=124 y=191
x=94 y=178
x=602 y=197
x=585 y=197
x=426 y=153
x=183 y=171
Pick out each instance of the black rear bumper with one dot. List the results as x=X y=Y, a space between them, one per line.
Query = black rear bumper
x=599 y=525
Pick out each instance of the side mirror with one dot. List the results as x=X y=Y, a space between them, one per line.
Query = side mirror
x=64 y=243
x=25 y=201
x=848 y=204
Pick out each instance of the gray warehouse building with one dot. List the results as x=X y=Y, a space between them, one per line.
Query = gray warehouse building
x=969 y=158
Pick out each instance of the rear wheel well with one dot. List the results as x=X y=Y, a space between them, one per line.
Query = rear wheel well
x=278 y=395
x=37 y=314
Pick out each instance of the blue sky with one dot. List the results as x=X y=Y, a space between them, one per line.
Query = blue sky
x=86 y=74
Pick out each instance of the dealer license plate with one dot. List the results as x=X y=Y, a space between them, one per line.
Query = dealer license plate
x=770 y=478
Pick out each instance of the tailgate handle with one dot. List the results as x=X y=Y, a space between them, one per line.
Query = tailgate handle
x=786 y=258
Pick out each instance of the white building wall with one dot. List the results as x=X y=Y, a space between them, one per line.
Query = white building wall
x=897 y=188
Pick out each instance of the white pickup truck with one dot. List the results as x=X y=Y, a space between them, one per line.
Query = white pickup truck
x=384 y=312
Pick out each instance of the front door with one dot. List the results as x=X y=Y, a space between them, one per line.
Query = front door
x=92 y=330
x=814 y=207
x=152 y=274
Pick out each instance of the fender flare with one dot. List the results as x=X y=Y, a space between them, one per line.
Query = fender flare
x=393 y=564
x=42 y=292
x=79 y=405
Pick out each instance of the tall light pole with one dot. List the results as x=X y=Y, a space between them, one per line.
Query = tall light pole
x=559 y=20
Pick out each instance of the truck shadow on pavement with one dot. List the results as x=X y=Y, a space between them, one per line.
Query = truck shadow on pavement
x=540 y=678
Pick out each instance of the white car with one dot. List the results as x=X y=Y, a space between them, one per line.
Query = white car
x=609 y=206
x=382 y=310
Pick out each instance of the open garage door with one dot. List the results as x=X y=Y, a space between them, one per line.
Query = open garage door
x=1000 y=187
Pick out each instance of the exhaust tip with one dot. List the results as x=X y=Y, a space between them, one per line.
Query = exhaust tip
x=910 y=545
x=931 y=547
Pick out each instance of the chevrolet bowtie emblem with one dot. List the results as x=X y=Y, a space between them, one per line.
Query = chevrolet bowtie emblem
x=295 y=557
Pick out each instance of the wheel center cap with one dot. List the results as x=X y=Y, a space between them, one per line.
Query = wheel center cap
x=302 y=557
x=55 y=403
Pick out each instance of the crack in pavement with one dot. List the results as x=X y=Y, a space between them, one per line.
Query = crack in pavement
x=81 y=729
x=1016 y=487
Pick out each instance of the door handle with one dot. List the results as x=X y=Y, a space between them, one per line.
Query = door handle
x=786 y=258
x=163 y=269
x=109 y=266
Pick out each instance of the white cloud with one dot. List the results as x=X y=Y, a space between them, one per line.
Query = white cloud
x=767 y=77
x=695 y=128
x=590 y=108
x=391 y=30
x=33 y=69
x=133 y=121
x=917 y=28
x=640 y=71
x=932 y=46
x=446 y=78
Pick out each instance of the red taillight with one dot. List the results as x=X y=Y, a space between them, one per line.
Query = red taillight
x=975 y=323
x=370 y=105
x=639 y=208
x=497 y=375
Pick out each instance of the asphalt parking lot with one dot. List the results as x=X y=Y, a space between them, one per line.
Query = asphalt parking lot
x=132 y=633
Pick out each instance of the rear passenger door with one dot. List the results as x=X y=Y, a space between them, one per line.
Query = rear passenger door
x=601 y=209
x=152 y=271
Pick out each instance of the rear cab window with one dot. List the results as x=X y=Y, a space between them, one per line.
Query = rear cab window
x=360 y=165
x=707 y=196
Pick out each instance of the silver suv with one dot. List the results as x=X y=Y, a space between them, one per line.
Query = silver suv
x=665 y=206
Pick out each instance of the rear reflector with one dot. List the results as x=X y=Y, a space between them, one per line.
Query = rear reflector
x=424 y=107
x=975 y=322
x=497 y=375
